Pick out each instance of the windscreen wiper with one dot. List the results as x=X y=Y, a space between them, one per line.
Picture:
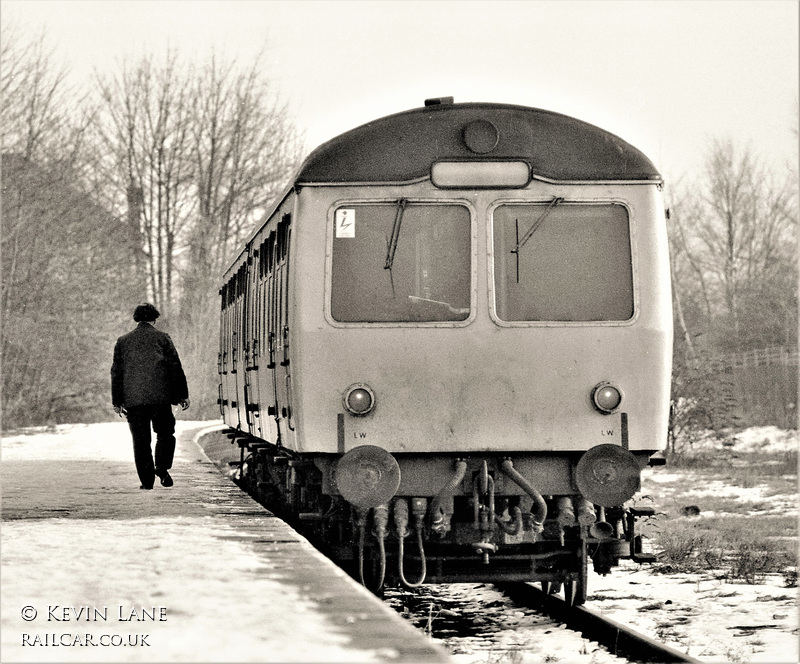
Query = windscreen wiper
x=453 y=310
x=391 y=243
x=521 y=242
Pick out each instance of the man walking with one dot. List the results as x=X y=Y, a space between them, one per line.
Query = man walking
x=146 y=380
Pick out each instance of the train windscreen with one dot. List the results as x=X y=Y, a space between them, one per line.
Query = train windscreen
x=559 y=261
x=401 y=262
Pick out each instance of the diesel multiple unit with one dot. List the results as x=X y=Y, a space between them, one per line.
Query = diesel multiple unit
x=446 y=353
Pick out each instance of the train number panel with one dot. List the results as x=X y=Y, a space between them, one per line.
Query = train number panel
x=445 y=354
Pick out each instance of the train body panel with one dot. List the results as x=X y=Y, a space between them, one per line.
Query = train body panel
x=477 y=385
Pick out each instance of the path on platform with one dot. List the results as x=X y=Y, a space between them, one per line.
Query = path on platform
x=235 y=583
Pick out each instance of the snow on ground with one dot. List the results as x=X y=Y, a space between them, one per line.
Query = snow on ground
x=48 y=565
x=697 y=614
x=764 y=439
x=712 y=620
x=44 y=564
x=762 y=495
x=769 y=439
x=105 y=440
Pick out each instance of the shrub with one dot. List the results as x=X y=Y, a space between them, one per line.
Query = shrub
x=686 y=548
x=790 y=577
x=751 y=561
x=740 y=554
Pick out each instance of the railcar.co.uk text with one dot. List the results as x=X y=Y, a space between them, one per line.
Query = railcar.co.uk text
x=119 y=613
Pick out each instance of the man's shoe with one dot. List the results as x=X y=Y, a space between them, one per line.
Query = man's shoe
x=145 y=487
x=166 y=480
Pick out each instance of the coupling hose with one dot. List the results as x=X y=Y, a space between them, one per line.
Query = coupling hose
x=539 y=508
x=380 y=517
x=362 y=526
x=437 y=514
x=418 y=508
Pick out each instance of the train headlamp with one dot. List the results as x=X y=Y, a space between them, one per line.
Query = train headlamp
x=607 y=398
x=359 y=399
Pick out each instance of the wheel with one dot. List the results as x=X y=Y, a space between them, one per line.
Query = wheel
x=575 y=590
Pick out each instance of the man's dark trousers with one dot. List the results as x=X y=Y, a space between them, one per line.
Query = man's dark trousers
x=163 y=421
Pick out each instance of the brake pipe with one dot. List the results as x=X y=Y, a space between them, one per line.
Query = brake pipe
x=437 y=514
x=380 y=517
x=515 y=526
x=566 y=513
x=362 y=526
x=401 y=524
x=539 y=507
x=586 y=513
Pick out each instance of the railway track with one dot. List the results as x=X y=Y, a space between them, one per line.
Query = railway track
x=516 y=622
x=617 y=638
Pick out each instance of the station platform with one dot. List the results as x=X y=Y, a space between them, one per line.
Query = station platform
x=95 y=569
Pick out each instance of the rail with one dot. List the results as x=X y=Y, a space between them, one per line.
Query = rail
x=619 y=639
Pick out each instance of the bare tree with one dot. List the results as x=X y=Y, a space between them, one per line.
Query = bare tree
x=33 y=90
x=733 y=255
x=747 y=228
x=733 y=243
x=245 y=149
x=143 y=150
x=61 y=269
x=194 y=156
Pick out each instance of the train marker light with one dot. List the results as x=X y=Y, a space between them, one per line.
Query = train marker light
x=607 y=398
x=359 y=399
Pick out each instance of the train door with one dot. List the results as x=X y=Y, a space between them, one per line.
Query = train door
x=249 y=342
x=280 y=329
x=266 y=371
x=226 y=388
x=266 y=377
x=231 y=351
x=252 y=345
x=238 y=336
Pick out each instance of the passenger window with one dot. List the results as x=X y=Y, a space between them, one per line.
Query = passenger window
x=401 y=262
x=562 y=262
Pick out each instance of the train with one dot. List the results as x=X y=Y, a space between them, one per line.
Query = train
x=445 y=354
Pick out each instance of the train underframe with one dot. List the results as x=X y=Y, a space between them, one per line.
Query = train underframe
x=450 y=535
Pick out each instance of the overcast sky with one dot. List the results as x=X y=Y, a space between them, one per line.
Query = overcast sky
x=667 y=76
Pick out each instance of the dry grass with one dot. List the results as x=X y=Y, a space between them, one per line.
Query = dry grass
x=741 y=537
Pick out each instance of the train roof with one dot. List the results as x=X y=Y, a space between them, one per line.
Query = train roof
x=402 y=147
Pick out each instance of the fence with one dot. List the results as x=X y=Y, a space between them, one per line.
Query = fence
x=765 y=386
x=765 y=357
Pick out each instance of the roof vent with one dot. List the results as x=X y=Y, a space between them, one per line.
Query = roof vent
x=438 y=101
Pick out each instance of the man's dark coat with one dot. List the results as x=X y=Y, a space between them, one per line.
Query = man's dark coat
x=146 y=369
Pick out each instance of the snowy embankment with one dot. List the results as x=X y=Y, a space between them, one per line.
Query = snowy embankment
x=710 y=618
x=93 y=569
x=703 y=614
